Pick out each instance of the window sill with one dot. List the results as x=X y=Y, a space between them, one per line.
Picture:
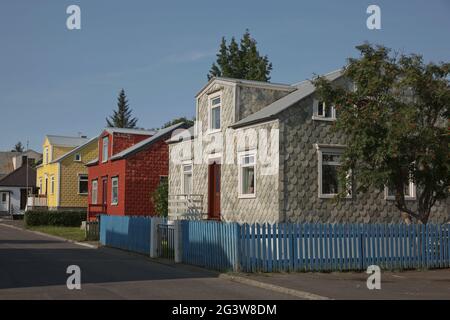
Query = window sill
x=406 y=199
x=115 y=204
x=83 y=194
x=212 y=131
x=247 y=196
x=317 y=118
x=332 y=196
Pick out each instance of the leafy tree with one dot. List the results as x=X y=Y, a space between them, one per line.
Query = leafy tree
x=160 y=198
x=395 y=119
x=18 y=147
x=122 y=116
x=241 y=61
x=178 y=120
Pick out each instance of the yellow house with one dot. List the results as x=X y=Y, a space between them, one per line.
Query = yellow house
x=62 y=178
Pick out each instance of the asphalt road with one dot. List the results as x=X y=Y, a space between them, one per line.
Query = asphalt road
x=34 y=267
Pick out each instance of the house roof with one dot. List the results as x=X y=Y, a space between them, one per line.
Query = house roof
x=71 y=152
x=66 y=141
x=181 y=135
x=6 y=159
x=303 y=90
x=92 y=163
x=272 y=85
x=144 y=144
x=18 y=178
x=130 y=131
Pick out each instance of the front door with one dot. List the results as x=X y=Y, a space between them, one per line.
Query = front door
x=23 y=199
x=105 y=192
x=214 y=191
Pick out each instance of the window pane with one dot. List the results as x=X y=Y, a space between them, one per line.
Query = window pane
x=187 y=183
x=320 y=109
x=328 y=111
x=115 y=191
x=327 y=157
x=83 y=186
x=329 y=179
x=215 y=118
x=105 y=149
x=248 y=180
x=215 y=101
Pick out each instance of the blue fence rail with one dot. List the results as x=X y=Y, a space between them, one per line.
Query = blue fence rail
x=126 y=232
x=210 y=244
x=314 y=247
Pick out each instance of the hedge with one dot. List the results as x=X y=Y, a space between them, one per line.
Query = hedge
x=55 y=218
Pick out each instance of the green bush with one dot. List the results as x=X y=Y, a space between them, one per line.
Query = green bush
x=160 y=198
x=55 y=218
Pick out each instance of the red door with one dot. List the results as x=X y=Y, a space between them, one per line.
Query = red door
x=105 y=194
x=214 y=191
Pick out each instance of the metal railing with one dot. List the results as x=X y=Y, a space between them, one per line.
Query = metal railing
x=96 y=209
x=166 y=241
x=188 y=206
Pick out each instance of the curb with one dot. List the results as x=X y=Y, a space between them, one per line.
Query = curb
x=272 y=287
x=51 y=236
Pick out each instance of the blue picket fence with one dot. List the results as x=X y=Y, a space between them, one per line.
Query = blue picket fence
x=210 y=244
x=314 y=247
x=126 y=232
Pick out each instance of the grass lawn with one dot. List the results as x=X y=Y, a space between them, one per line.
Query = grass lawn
x=72 y=233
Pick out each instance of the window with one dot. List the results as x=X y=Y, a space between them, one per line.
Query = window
x=77 y=157
x=329 y=162
x=187 y=179
x=247 y=178
x=214 y=113
x=409 y=191
x=46 y=155
x=52 y=184
x=105 y=142
x=114 y=191
x=94 y=192
x=322 y=111
x=3 y=197
x=83 y=184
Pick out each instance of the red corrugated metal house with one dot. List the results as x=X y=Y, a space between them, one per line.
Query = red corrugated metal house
x=129 y=168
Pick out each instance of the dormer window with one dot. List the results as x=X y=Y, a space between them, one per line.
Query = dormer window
x=214 y=113
x=77 y=157
x=105 y=142
x=323 y=111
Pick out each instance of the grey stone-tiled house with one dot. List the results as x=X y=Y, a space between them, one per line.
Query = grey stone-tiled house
x=263 y=152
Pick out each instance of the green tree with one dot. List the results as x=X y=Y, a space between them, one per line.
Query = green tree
x=190 y=123
x=395 y=119
x=122 y=116
x=241 y=61
x=18 y=147
x=160 y=198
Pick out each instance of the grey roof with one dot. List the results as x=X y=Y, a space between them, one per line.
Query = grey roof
x=247 y=82
x=71 y=152
x=66 y=141
x=93 y=162
x=180 y=136
x=144 y=144
x=130 y=131
x=304 y=89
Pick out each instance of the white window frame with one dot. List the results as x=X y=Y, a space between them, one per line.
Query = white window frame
x=46 y=155
x=184 y=164
x=210 y=107
x=75 y=157
x=411 y=196
x=328 y=150
x=241 y=166
x=106 y=138
x=52 y=185
x=79 y=181
x=317 y=116
x=114 y=179
x=94 y=200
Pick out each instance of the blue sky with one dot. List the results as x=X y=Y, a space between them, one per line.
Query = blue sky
x=56 y=81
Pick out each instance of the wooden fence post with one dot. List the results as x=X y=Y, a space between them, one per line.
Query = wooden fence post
x=154 y=237
x=177 y=241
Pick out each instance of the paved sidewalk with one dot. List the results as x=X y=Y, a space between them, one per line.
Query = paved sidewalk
x=432 y=284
